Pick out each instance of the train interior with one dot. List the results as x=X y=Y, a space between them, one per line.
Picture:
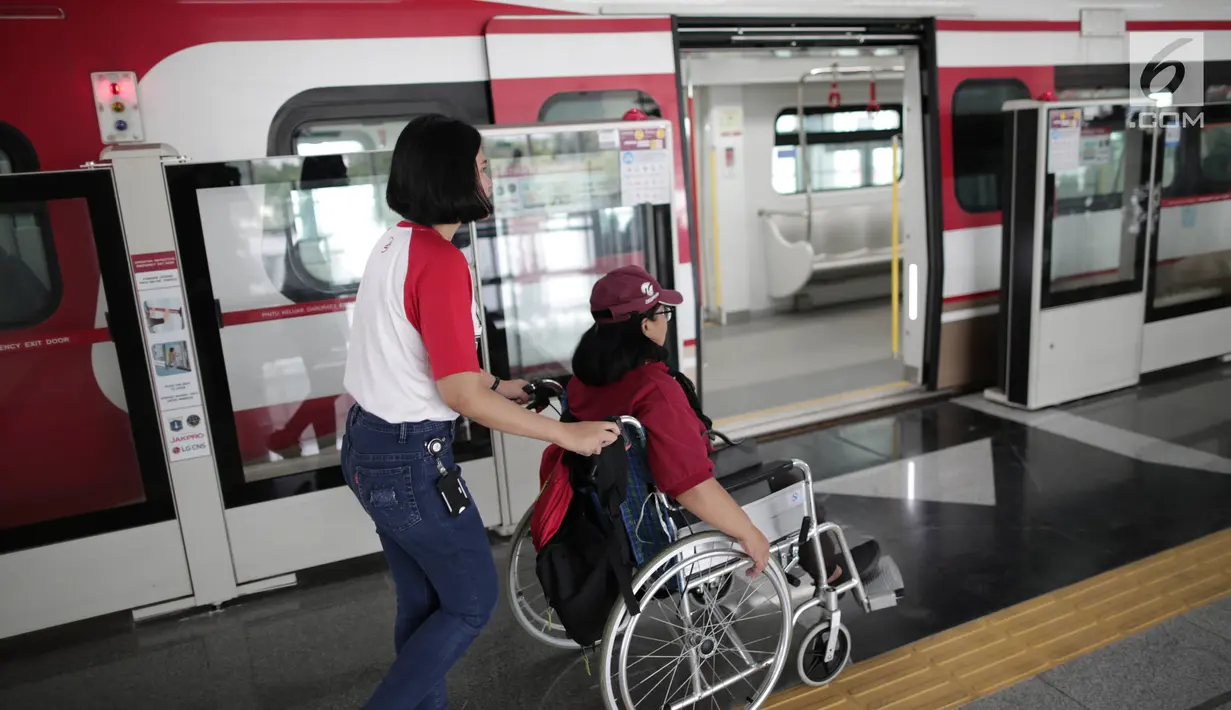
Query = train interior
x=792 y=317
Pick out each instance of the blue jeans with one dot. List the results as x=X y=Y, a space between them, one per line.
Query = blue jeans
x=442 y=566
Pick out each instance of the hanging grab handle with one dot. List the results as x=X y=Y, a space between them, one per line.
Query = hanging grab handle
x=835 y=96
x=873 y=105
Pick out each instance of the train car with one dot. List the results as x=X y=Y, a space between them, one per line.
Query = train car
x=282 y=112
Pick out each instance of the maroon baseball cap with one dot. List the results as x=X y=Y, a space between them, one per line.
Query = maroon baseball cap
x=628 y=290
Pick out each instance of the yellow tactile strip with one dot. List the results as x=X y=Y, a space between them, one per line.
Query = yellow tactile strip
x=996 y=651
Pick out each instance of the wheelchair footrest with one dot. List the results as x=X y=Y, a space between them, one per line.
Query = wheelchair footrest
x=886 y=588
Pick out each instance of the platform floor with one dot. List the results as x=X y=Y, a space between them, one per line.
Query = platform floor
x=1180 y=664
x=788 y=359
x=986 y=511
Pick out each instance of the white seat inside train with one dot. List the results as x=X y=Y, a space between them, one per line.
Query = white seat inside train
x=843 y=239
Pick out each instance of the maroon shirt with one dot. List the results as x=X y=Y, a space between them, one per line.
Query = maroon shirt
x=677 y=447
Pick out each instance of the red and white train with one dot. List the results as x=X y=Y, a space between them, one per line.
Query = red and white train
x=230 y=81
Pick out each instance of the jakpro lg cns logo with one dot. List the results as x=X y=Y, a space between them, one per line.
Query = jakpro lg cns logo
x=648 y=289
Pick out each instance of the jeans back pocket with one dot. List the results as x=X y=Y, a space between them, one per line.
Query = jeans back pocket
x=387 y=496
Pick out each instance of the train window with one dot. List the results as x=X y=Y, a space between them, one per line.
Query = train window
x=337 y=209
x=1170 y=155
x=573 y=106
x=978 y=140
x=29 y=281
x=331 y=138
x=350 y=119
x=842 y=121
x=847 y=148
x=1216 y=153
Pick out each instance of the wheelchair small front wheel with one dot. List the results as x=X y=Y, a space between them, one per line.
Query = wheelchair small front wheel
x=811 y=664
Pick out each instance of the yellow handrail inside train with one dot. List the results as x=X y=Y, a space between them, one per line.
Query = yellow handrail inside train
x=714 y=230
x=896 y=268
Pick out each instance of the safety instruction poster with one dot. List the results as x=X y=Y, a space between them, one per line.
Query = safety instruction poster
x=544 y=184
x=178 y=387
x=1096 y=148
x=1064 y=142
x=731 y=121
x=645 y=167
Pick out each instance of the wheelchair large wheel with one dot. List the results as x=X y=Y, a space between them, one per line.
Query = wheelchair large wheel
x=526 y=595
x=676 y=653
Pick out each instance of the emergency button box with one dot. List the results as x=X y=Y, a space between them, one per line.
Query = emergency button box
x=118 y=106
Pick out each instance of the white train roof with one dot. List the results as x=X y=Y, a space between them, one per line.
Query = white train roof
x=1053 y=10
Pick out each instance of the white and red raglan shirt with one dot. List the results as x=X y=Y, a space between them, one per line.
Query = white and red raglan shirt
x=415 y=322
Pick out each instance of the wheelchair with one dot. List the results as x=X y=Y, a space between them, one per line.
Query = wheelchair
x=705 y=634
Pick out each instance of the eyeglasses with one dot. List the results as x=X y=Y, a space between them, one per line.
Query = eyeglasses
x=667 y=311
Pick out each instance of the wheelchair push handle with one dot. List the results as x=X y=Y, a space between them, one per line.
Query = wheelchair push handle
x=541 y=393
x=628 y=423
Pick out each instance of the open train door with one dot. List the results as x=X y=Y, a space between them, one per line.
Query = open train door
x=577 y=69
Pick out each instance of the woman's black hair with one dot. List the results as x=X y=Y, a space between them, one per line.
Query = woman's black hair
x=608 y=351
x=433 y=179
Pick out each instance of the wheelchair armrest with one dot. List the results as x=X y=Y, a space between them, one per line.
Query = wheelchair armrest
x=748 y=486
x=770 y=471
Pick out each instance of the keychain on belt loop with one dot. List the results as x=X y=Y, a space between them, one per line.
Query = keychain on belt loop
x=873 y=106
x=436 y=447
x=835 y=96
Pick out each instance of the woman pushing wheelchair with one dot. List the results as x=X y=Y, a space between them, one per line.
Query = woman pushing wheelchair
x=672 y=533
x=619 y=368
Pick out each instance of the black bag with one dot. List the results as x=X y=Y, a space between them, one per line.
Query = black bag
x=734 y=456
x=586 y=565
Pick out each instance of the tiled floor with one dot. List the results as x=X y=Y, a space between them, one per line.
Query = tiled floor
x=1181 y=664
x=981 y=511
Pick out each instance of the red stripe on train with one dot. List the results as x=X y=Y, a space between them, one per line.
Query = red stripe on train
x=1195 y=200
x=1006 y=26
x=971 y=296
x=295 y=310
x=1177 y=25
x=576 y=25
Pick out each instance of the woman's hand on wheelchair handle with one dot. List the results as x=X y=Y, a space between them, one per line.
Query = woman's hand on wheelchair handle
x=588 y=438
x=514 y=391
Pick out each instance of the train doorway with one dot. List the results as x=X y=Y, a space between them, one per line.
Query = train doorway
x=813 y=292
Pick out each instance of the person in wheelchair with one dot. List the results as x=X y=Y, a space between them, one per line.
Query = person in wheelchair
x=619 y=368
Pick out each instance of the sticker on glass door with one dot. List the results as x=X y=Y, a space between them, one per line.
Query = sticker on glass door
x=171 y=355
x=184 y=430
